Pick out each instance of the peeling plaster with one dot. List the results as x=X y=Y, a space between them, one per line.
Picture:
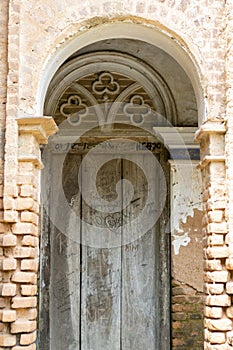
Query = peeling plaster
x=186 y=197
x=186 y=224
x=180 y=241
x=187 y=259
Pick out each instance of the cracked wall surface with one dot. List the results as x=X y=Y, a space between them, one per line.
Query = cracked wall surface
x=186 y=255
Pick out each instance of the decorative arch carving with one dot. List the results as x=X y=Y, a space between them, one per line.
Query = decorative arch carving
x=94 y=79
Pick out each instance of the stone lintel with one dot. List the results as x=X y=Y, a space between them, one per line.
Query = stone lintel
x=179 y=141
x=176 y=137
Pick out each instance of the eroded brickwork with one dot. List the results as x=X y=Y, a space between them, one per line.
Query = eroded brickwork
x=20 y=241
x=187 y=317
x=3 y=75
x=216 y=249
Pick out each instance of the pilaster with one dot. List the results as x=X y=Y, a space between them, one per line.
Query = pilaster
x=217 y=298
x=20 y=237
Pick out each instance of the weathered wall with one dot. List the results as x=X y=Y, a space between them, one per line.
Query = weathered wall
x=200 y=24
x=187 y=317
x=3 y=80
x=186 y=255
x=3 y=96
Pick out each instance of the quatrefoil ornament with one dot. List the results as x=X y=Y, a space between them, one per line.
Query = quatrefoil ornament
x=137 y=109
x=105 y=85
x=74 y=102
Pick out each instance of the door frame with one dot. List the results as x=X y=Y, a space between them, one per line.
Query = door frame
x=164 y=265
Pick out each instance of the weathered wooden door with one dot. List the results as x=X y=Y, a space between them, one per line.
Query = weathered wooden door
x=106 y=298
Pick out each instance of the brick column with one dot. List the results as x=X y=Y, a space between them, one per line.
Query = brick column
x=216 y=250
x=229 y=155
x=20 y=240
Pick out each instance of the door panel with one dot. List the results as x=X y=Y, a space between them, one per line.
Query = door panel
x=105 y=298
x=101 y=268
x=65 y=264
x=139 y=274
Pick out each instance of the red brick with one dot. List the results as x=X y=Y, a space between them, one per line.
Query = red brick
x=23 y=326
x=8 y=315
x=27 y=339
x=24 y=277
x=24 y=302
x=7 y=340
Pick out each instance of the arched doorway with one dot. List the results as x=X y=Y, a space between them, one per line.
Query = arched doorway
x=103 y=295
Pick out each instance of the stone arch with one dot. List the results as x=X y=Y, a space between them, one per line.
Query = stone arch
x=155 y=35
x=153 y=83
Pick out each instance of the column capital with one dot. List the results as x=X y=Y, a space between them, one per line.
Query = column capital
x=40 y=127
x=208 y=127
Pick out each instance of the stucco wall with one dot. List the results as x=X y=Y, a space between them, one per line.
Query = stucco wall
x=46 y=25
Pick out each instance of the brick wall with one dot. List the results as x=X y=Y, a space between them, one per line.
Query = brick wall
x=216 y=246
x=3 y=97
x=3 y=81
x=187 y=317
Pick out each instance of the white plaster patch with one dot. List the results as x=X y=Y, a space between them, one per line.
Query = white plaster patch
x=186 y=196
x=179 y=241
x=186 y=192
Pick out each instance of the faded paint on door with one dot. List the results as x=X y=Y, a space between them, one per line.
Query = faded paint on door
x=106 y=298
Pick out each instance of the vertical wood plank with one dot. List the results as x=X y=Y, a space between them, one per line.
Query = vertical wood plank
x=44 y=302
x=140 y=317
x=65 y=262
x=101 y=269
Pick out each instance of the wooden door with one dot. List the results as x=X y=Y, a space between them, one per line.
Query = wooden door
x=106 y=298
